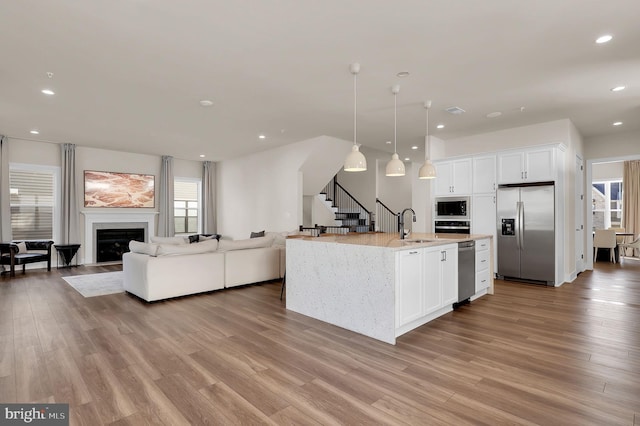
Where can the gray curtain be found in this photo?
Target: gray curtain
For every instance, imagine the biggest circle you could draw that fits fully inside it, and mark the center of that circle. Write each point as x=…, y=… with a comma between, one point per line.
x=209, y=225
x=631, y=200
x=166, y=223
x=70, y=219
x=5, y=201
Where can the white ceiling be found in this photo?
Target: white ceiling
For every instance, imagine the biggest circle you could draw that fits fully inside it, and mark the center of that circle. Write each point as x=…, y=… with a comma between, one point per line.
x=129, y=74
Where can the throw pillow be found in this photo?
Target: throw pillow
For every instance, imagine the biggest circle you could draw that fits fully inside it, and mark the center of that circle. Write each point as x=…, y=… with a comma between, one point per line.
x=22, y=247
x=150, y=249
x=194, y=238
x=257, y=234
x=251, y=243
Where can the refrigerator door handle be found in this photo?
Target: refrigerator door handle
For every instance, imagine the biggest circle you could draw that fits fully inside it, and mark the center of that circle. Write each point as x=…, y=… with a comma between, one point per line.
x=517, y=224
x=521, y=227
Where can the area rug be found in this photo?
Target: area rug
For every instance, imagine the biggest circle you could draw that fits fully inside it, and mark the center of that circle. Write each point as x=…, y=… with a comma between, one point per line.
x=92, y=285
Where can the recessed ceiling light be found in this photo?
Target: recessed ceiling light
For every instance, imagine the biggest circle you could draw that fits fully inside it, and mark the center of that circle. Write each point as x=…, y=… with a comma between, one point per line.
x=407, y=159
x=604, y=39
x=48, y=92
x=388, y=142
x=494, y=114
x=618, y=123
x=262, y=137
x=440, y=126
x=402, y=74
x=618, y=88
x=201, y=155
x=206, y=103
x=414, y=147
x=34, y=132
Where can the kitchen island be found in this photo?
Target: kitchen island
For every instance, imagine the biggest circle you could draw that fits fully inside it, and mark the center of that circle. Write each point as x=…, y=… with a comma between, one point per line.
x=377, y=284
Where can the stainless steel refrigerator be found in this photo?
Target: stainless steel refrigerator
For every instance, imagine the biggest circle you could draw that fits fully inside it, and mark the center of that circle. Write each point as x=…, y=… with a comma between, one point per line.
x=526, y=232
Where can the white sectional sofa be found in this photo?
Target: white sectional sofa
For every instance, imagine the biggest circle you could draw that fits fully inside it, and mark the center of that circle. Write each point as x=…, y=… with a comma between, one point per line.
x=172, y=267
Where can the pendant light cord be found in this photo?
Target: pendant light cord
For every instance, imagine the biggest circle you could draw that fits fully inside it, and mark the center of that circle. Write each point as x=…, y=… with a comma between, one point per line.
x=355, y=108
x=395, y=123
x=427, y=146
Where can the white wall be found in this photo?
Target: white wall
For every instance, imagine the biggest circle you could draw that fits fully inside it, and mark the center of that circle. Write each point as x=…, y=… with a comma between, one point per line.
x=613, y=145
x=264, y=190
x=42, y=153
x=607, y=171
x=536, y=134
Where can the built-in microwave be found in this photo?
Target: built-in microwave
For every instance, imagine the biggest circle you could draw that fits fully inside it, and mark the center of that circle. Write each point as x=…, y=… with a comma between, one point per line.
x=452, y=208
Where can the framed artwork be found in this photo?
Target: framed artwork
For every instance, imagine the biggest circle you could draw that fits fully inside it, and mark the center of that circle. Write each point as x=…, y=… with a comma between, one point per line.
x=110, y=189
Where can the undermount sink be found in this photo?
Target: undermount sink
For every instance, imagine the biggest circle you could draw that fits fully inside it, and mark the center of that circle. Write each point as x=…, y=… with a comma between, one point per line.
x=422, y=240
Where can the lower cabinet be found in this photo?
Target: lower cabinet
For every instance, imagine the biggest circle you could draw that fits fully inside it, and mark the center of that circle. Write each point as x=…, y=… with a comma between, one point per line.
x=426, y=281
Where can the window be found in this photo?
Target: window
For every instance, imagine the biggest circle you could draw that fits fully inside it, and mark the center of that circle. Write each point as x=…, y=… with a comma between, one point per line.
x=33, y=200
x=186, y=205
x=607, y=204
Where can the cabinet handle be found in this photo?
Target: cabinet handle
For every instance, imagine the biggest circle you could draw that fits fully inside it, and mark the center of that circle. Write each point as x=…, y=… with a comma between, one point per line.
x=483, y=281
x=413, y=252
x=526, y=175
x=521, y=175
x=482, y=261
x=494, y=199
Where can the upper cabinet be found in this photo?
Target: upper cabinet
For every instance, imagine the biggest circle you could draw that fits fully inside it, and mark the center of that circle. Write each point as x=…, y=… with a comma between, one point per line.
x=484, y=174
x=454, y=177
x=531, y=165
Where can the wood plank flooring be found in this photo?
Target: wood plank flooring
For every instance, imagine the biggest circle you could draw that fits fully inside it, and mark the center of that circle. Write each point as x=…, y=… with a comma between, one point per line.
x=526, y=355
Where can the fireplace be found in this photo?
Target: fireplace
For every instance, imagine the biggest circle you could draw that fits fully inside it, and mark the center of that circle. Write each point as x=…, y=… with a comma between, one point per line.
x=95, y=221
x=111, y=244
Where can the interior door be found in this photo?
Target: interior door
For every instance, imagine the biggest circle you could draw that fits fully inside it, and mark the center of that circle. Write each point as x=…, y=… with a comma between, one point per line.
x=579, y=220
x=537, y=244
x=508, y=249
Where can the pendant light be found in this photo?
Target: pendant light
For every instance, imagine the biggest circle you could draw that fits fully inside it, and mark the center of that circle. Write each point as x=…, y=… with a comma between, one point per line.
x=427, y=171
x=355, y=161
x=395, y=167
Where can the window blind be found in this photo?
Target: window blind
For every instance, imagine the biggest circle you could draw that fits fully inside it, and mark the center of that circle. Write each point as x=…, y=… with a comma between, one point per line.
x=32, y=202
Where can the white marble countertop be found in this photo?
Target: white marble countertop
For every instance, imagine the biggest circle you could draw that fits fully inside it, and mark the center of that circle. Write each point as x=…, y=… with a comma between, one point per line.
x=393, y=241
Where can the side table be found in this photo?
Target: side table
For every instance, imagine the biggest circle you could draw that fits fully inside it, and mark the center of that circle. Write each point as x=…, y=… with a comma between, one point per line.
x=66, y=253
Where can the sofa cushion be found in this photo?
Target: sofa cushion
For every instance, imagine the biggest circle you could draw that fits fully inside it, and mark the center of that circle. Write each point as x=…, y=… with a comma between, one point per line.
x=178, y=249
x=257, y=234
x=251, y=243
x=150, y=249
x=170, y=240
x=22, y=247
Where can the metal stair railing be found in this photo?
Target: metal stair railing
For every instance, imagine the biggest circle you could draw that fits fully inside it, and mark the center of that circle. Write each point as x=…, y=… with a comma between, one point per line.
x=350, y=211
x=386, y=219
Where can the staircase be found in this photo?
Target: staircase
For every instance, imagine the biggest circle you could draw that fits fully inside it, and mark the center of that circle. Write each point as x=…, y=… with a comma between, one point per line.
x=350, y=214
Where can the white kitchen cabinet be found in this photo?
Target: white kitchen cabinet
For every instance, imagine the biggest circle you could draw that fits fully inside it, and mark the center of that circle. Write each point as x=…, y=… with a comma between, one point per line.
x=483, y=259
x=449, y=274
x=454, y=177
x=531, y=165
x=426, y=281
x=409, y=286
x=484, y=174
x=483, y=216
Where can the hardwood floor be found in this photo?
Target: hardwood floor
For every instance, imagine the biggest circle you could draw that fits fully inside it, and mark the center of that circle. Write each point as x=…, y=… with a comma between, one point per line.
x=526, y=355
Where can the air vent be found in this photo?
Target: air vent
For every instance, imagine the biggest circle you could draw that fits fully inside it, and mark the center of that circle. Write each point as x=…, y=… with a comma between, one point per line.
x=455, y=110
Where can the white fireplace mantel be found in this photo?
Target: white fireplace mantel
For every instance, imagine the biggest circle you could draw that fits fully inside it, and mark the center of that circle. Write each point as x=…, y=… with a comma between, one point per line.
x=100, y=217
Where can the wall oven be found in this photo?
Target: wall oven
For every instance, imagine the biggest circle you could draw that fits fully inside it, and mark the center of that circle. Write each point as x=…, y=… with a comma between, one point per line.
x=452, y=208
x=452, y=227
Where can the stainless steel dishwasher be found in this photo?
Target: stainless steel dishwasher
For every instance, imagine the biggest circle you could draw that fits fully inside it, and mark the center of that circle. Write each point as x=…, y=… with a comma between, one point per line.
x=466, y=271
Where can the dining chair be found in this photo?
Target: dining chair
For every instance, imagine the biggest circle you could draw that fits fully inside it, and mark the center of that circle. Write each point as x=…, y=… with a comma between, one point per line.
x=605, y=238
x=632, y=245
x=619, y=238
